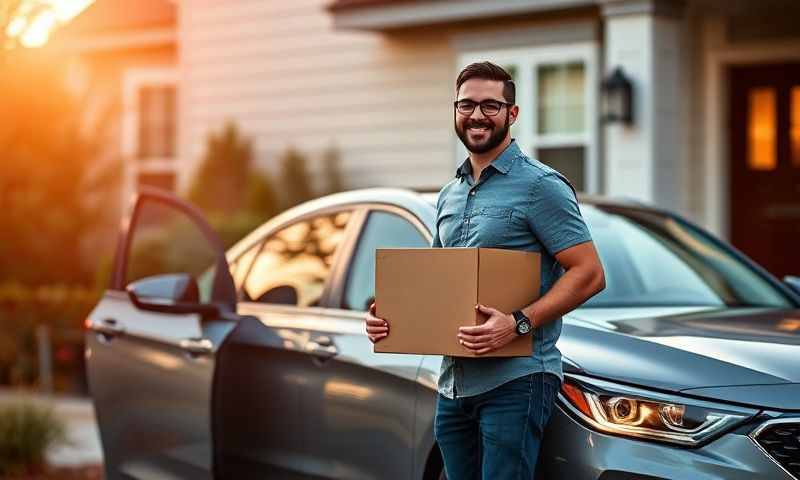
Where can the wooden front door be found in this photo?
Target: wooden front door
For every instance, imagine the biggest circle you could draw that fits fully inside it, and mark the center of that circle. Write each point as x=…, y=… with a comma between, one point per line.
x=765, y=164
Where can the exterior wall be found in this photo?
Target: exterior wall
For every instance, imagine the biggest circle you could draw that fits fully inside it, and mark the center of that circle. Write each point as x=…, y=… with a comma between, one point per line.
x=98, y=78
x=288, y=78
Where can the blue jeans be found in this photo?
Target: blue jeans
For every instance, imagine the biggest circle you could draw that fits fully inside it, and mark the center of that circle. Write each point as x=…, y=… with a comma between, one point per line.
x=496, y=434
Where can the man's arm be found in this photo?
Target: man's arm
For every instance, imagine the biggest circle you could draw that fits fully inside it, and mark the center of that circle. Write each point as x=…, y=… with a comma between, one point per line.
x=582, y=279
x=555, y=219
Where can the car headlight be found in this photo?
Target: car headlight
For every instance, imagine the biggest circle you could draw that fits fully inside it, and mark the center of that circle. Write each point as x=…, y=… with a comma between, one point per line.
x=643, y=414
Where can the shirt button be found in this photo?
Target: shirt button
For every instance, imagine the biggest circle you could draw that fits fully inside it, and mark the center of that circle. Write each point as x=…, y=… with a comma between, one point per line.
x=472, y=192
x=465, y=220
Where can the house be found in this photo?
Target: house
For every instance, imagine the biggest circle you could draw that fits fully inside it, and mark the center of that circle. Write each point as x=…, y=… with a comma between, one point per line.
x=715, y=131
x=124, y=55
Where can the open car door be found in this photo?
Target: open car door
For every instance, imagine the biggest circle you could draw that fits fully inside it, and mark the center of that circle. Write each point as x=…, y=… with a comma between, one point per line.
x=153, y=339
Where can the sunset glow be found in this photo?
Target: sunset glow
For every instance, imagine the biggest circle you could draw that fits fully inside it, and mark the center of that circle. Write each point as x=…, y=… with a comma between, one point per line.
x=34, y=30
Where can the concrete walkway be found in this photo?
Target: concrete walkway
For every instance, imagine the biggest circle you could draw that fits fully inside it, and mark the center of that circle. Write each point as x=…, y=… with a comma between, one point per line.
x=78, y=415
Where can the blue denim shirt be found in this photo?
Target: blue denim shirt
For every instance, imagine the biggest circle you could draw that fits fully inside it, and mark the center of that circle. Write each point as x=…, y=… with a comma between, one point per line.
x=522, y=204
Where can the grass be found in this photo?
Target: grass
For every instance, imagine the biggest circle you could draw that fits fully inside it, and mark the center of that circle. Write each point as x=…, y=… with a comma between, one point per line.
x=27, y=431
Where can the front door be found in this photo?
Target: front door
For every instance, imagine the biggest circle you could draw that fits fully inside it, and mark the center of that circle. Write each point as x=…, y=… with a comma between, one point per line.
x=151, y=357
x=765, y=164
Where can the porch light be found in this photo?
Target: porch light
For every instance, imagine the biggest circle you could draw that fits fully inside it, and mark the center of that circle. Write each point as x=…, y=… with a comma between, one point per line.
x=617, y=103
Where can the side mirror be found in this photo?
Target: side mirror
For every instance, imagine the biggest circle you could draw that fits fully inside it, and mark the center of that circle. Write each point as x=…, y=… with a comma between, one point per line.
x=172, y=293
x=793, y=282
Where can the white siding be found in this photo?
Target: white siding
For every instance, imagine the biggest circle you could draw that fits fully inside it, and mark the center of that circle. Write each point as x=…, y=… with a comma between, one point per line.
x=287, y=78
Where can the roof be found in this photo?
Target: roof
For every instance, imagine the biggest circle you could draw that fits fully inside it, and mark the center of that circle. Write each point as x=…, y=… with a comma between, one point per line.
x=113, y=16
x=338, y=5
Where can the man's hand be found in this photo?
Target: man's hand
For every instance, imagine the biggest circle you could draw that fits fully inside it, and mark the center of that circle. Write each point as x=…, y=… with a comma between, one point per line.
x=377, y=328
x=496, y=332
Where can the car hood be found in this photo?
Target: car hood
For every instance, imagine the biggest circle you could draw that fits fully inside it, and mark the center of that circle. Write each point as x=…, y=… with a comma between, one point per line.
x=682, y=348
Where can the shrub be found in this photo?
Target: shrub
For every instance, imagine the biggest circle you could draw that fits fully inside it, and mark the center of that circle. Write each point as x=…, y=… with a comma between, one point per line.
x=23, y=308
x=27, y=431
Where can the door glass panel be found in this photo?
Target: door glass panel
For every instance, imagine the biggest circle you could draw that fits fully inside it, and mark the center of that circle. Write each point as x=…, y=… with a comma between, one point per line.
x=165, y=240
x=561, y=98
x=570, y=161
x=761, y=130
x=294, y=263
x=795, y=133
x=382, y=230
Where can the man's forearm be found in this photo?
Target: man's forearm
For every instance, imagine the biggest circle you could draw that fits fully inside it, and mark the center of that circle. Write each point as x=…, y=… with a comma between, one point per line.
x=574, y=287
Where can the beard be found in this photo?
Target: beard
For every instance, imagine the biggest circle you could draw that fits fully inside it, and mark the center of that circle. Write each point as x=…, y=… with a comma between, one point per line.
x=496, y=135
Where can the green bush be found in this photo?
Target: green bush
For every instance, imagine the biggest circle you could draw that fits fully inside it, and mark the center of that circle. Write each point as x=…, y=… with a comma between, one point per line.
x=27, y=431
x=61, y=308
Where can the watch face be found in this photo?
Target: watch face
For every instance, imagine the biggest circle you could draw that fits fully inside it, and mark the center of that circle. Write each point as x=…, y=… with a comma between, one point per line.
x=524, y=327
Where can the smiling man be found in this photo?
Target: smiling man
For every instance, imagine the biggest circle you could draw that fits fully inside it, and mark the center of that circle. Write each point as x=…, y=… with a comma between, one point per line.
x=491, y=412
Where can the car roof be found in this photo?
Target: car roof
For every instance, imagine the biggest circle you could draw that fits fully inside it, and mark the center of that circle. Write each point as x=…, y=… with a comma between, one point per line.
x=419, y=203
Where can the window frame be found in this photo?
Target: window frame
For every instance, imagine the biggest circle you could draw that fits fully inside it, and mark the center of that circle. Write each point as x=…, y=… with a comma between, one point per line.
x=134, y=80
x=526, y=60
x=357, y=217
x=338, y=290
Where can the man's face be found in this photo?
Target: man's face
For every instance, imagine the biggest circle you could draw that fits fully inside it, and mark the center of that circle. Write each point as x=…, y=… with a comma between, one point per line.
x=478, y=132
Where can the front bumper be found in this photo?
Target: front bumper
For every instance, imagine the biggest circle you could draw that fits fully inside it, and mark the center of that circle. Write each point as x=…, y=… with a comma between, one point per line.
x=573, y=451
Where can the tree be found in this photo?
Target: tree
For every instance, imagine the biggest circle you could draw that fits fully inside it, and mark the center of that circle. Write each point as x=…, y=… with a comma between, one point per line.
x=332, y=170
x=295, y=180
x=226, y=182
x=54, y=194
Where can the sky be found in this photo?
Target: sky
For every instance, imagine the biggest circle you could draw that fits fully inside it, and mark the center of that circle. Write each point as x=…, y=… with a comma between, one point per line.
x=35, y=32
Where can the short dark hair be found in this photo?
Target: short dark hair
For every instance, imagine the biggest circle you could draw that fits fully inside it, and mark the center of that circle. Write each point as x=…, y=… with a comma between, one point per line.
x=488, y=71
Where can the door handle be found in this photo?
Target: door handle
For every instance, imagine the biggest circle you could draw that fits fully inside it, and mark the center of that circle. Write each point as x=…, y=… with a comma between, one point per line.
x=197, y=346
x=108, y=326
x=322, y=347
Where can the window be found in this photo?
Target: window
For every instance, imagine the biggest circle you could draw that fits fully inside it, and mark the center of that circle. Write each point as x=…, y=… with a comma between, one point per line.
x=382, y=230
x=294, y=263
x=556, y=93
x=157, y=122
x=164, y=240
x=150, y=127
x=654, y=260
x=241, y=265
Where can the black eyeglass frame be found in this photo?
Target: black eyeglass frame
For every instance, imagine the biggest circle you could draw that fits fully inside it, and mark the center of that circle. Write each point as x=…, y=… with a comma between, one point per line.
x=482, y=104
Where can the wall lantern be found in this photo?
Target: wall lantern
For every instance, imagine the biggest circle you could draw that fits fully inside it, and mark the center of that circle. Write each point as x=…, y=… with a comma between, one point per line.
x=617, y=101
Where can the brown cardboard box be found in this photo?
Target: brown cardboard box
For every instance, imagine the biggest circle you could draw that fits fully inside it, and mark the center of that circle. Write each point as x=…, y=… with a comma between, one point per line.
x=427, y=293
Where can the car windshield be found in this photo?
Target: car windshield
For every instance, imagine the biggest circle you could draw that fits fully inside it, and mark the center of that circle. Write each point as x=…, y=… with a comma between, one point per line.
x=651, y=259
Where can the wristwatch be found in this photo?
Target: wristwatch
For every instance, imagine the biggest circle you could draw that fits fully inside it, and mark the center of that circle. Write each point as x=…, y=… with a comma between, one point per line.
x=523, y=322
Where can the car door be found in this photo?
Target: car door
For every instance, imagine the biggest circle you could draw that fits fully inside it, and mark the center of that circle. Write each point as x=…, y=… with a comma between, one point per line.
x=361, y=404
x=151, y=352
x=267, y=433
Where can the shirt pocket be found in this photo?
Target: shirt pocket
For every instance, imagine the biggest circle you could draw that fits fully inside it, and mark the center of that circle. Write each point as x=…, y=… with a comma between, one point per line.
x=492, y=225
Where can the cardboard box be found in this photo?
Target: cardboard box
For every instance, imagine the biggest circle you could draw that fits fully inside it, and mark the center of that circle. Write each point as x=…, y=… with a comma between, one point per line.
x=426, y=294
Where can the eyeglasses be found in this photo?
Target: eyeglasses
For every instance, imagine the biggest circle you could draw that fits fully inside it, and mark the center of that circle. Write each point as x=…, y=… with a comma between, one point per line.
x=490, y=108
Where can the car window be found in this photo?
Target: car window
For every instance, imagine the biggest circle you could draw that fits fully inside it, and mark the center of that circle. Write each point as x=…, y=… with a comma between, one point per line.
x=382, y=230
x=650, y=259
x=294, y=263
x=164, y=240
x=241, y=265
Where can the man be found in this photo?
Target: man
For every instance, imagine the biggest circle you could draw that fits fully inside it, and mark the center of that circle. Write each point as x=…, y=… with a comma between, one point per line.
x=491, y=412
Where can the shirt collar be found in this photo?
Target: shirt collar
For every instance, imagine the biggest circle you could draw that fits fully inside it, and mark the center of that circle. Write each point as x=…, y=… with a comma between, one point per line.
x=502, y=163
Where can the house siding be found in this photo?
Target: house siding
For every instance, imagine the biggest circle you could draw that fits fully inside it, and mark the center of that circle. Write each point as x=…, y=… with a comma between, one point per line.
x=282, y=73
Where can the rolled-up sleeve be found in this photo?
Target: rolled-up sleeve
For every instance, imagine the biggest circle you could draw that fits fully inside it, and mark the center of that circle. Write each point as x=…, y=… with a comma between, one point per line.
x=554, y=216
